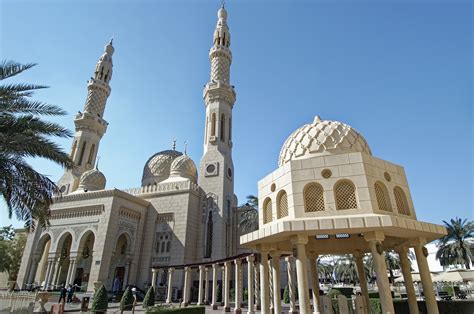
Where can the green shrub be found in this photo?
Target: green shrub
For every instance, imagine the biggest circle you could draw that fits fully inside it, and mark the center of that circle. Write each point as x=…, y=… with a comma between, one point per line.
x=333, y=293
x=183, y=310
x=375, y=306
x=219, y=293
x=232, y=294
x=245, y=295
x=286, y=295
x=149, y=299
x=126, y=303
x=100, y=302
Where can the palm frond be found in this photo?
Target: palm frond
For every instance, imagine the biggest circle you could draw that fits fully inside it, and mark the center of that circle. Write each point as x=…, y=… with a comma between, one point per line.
x=11, y=68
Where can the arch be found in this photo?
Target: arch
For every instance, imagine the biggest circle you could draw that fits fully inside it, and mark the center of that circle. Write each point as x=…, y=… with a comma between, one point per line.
x=60, y=239
x=313, y=194
x=401, y=201
x=383, y=199
x=282, y=204
x=123, y=244
x=91, y=154
x=345, y=195
x=81, y=156
x=222, y=127
x=86, y=243
x=213, y=124
x=267, y=211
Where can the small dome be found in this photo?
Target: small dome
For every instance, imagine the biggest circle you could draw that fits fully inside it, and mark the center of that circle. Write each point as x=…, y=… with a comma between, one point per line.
x=92, y=180
x=322, y=137
x=183, y=166
x=109, y=48
x=158, y=167
x=222, y=13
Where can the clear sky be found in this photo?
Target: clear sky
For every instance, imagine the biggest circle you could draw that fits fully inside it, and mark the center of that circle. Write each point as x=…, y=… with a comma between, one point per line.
x=400, y=72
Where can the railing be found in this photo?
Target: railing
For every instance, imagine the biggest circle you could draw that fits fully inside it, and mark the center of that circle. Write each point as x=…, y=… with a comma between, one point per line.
x=17, y=302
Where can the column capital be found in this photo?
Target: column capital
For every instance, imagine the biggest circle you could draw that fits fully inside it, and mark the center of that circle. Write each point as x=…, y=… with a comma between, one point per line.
x=170, y=270
x=289, y=258
x=238, y=261
x=155, y=270
x=206, y=269
x=250, y=259
x=400, y=249
x=299, y=239
x=418, y=241
x=374, y=236
x=226, y=263
x=215, y=265
x=358, y=253
x=275, y=254
x=201, y=267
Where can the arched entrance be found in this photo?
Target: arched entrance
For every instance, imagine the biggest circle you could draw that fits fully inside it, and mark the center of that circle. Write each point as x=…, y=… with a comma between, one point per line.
x=120, y=264
x=39, y=263
x=63, y=252
x=80, y=272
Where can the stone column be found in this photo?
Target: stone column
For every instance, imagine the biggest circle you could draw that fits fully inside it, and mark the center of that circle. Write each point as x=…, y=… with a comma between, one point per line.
x=257, y=287
x=421, y=253
x=238, y=286
x=406, y=270
x=359, y=257
x=214, y=286
x=201, y=278
x=264, y=283
x=170, y=285
x=374, y=239
x=270, y=286
x=187, y=285
x=48, y=273
x=56, y=272
x=291, y=284
x=250, y=283
x=154, y=273
x=206, y=285
x=226, y=286
x=313, y=260
x=276, y=281
x=302, y=272
x=69, y=270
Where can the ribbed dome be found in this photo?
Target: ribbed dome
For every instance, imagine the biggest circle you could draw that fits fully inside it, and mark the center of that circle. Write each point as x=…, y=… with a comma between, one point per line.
x=322, y=137
x=92, y=180
x=158, y=167
x=183, y=166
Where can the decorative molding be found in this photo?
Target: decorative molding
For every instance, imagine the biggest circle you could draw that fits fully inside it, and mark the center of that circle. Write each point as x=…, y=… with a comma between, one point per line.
x=76, y=212
x=129, y=214
x=100, y=194
x=163, y=218
x=164, y=188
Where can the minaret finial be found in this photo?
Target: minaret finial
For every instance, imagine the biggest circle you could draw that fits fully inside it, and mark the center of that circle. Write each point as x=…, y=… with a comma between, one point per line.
x=111, y=40
x=223, y=4
x=185, y=147
x=174, y=143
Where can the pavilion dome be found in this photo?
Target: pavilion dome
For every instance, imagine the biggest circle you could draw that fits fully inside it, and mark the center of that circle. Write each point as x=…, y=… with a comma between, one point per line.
x=183, y=166
x=322, y=137
x=92, y=180
x=158, y=166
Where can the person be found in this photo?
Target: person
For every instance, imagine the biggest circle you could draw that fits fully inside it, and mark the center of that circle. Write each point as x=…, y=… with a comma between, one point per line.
x=70, y=293
x=116, y=286
x=62, y=294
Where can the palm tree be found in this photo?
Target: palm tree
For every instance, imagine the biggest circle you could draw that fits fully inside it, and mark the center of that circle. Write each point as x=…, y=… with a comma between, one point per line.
x=248, y=214
x=454, y=248
x=345, y=269
x=325, y=271
x=23, y=134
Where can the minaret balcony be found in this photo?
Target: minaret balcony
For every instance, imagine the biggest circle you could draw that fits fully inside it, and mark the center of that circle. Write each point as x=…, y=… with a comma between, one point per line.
x=219, y=91
x=86, y=120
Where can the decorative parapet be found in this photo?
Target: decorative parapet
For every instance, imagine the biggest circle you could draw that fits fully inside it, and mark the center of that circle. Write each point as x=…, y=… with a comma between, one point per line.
x=164, y=188
x=129, y=214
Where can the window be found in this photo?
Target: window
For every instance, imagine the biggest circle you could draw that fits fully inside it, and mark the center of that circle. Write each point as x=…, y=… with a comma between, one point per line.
x=82, y=153
x=222, y=127
x=230, y=129
x=313, y=194
x=91, y=154
x=267, y=211
x=345, y=195
x=209, y=234
x=213, y=124
x=282, y=201
x=383, y=199
x=401, y=200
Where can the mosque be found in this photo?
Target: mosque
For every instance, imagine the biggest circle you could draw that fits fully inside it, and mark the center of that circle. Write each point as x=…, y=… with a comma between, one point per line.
x=328, y=195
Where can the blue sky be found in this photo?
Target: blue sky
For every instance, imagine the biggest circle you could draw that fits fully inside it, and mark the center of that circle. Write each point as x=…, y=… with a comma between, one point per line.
x=400, y=72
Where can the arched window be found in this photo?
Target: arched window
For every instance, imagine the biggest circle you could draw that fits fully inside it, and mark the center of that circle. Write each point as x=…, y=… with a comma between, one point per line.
x=282, y=201
x=313, y=194
x=91, y=154
x=209, y=235
x=383, y=199
x=168, y=246
x=401, y=200
x=213, y=124
x=345, y=195
x=267, y=211
x=230, y=129
x=81, y=156
x=222, y=127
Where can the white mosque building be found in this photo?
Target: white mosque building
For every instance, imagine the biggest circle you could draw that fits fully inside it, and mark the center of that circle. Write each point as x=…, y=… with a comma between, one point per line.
x=181, y=214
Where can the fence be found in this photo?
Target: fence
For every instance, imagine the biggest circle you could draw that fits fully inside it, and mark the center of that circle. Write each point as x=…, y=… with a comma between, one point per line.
x=17, y=302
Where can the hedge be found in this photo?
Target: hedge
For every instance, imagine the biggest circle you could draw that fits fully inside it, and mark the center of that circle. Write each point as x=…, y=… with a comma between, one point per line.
x=149, y=299
x=126, y=303
x=100, y=302
x=183, y=310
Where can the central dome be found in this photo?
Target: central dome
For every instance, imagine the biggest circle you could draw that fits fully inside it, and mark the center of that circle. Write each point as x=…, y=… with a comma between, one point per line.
x=322, y=137
x=92, y=180
x=158, y=167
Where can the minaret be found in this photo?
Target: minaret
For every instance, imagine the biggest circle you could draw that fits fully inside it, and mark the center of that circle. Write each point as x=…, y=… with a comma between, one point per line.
x=216, y=167
x=90, y=125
